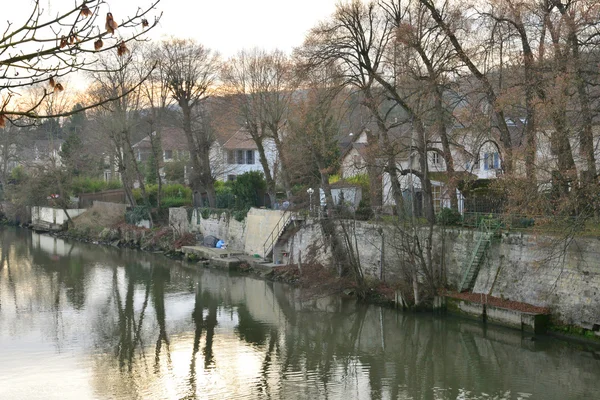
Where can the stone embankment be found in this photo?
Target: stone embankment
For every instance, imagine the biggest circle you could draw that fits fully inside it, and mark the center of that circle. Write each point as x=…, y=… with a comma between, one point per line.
x=550, y=272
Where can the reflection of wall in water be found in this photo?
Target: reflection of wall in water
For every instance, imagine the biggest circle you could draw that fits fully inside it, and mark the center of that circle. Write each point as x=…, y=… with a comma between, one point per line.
x=54, y=246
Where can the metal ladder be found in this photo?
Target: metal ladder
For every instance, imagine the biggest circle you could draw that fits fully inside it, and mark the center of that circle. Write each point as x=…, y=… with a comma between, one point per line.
x=472, y=264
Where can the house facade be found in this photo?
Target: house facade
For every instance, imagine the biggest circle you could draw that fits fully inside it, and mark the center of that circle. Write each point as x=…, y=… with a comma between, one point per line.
x=238, y=154
x=232, y=154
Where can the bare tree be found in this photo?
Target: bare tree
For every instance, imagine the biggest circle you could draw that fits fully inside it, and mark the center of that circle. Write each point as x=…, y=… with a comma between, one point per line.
x=156, y=99
x=44, y=49
x=191, y=70
x=264, y=84
x=118, y=118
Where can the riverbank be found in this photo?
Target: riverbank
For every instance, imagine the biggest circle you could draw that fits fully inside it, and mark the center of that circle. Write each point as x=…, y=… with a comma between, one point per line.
x=314, y=280
x=518, y=268
x=119, y=323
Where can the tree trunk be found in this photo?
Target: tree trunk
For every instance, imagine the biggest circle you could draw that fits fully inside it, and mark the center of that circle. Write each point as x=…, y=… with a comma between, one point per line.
x=264, y=162
x=285, y=175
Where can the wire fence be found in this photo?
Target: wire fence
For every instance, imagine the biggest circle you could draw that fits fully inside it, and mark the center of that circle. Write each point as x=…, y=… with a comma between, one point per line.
x=543, y=223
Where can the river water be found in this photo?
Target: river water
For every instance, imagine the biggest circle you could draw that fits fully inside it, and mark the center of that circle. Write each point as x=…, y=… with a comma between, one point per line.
x=79, y=321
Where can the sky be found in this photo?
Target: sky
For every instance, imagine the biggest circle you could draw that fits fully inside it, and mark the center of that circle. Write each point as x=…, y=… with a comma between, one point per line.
x=226, y=26
x=231, y=25
x=223, y=25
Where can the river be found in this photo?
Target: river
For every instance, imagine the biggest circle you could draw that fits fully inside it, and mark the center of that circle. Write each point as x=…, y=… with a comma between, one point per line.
x=79, y=321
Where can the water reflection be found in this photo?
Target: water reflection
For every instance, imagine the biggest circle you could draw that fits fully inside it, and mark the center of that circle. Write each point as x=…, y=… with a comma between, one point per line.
x=80, y=321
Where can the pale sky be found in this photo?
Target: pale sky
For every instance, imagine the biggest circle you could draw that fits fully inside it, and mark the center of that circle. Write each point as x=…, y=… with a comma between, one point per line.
x=231, y=25
x=223, y=25
x=226, y=26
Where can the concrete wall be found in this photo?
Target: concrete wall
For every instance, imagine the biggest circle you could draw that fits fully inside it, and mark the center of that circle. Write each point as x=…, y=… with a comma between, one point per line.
x=545, y=271
x=248, y=235
x=540, y=270
x=222, y=226
x=48, y=215
x=259, y=225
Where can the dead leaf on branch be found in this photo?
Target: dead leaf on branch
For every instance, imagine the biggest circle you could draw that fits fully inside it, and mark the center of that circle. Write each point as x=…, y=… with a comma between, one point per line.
x=2, y=121
x=85, y=11
x=51, y=82
x=122, y=49
x=63, y=42
x=98, y=44
x=111, y=24
x=58, y=87
x=145, y=23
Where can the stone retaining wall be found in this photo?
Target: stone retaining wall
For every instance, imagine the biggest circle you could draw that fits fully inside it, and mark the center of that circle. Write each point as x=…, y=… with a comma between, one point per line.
x=546, y=271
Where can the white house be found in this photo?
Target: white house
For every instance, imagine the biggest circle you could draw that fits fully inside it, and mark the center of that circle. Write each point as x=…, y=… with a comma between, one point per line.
x=238, y=153
x=354, y=156
x=232, y=154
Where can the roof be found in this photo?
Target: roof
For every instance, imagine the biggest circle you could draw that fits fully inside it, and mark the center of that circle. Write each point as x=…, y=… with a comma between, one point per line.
x=172, y=138
x=241, y=139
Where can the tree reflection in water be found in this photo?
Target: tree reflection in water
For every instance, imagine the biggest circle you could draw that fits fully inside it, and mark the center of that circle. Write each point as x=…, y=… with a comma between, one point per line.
x=149, y=330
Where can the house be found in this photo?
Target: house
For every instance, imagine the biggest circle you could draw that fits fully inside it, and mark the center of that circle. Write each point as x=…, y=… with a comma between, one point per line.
x=236, y=154
x=230, y=155
x=41, y=153
x=354, y=155
x=173, y=146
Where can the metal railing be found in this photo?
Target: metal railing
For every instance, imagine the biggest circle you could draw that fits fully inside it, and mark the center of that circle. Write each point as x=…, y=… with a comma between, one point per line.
x=269, y=244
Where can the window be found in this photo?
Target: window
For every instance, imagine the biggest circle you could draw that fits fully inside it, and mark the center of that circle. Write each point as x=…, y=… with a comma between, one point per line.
x=168, y=154
x=435, y=158
x=249, y=156
x=240, y=157
x=231, y=178
x=437, y=198
x=491, y=161
x=231, y=157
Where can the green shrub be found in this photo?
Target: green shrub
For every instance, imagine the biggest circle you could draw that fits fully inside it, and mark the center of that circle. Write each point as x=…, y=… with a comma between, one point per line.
x=240, y=215
x=175, y=195
x=362, y=180
x=364, y=212
x=136, y=214
x=169, y=202
x=205, y=213
x=246, y=188
x=449, y=217
x=82, y=184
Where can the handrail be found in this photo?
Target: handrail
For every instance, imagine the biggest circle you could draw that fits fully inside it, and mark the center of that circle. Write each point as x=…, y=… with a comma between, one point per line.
x=279, y=228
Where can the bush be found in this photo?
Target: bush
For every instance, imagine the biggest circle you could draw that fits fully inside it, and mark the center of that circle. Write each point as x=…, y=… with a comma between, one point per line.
x=364, y=212
x=449, y=217
x=136, y=215
x=175, y=195
x=82, y=184
x=175, y=171
x=169, y=202
x=246, y=188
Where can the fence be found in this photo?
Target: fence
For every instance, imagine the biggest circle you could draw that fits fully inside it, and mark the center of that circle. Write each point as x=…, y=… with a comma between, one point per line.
x=86, y=200
x=580, y=225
